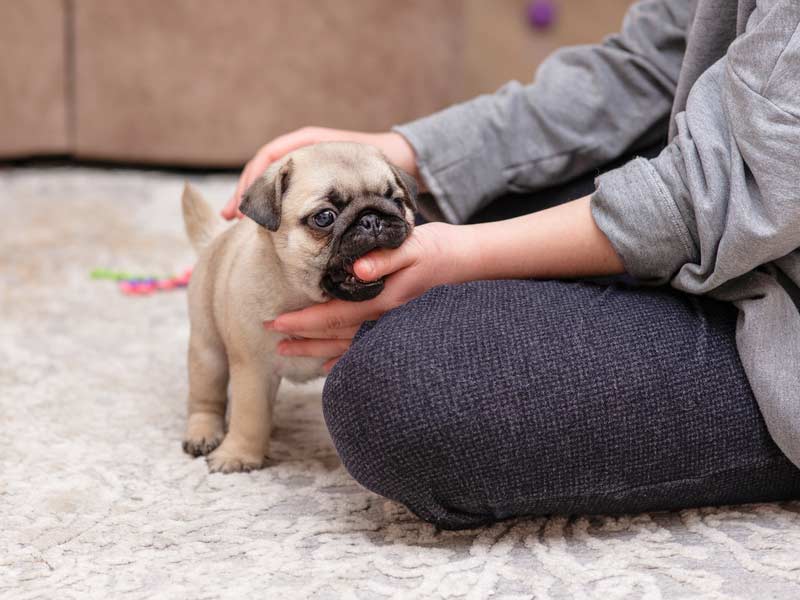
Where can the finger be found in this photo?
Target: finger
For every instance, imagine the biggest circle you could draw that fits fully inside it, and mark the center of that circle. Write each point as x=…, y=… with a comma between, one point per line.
x=284, y=144
x=319, y=348
x=328, y=317
x=232, y=207
x=252, y=171
x=385, y=261
x=329, y=365
x=226, y=210
x=255, y=167
x=342, y=333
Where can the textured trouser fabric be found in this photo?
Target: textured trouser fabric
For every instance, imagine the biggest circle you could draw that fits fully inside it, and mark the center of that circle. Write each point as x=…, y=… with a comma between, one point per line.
x=487, y=400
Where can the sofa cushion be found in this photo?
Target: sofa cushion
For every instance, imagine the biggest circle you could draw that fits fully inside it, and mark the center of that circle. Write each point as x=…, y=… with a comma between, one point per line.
x=33, y=108
x=188, y=83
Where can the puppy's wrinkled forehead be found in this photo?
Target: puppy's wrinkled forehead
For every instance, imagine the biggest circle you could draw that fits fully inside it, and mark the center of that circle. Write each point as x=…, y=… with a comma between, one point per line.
x=345, y=171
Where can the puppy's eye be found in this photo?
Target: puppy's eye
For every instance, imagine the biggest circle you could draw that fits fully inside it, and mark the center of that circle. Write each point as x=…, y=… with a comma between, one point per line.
x=324, y=218
x=400, y=205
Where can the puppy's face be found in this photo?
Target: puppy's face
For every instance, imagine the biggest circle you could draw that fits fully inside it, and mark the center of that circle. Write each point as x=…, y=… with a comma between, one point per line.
x=327, y=205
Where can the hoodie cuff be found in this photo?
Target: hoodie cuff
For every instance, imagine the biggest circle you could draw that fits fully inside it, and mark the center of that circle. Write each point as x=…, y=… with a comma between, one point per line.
x=636, y=212
x=457, y=158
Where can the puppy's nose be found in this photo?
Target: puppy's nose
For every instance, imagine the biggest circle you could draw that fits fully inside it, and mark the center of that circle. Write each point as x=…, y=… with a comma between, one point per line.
x=371, y=223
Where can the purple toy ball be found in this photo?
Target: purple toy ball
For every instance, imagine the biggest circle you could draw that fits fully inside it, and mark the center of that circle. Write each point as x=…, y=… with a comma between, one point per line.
x=541, y=13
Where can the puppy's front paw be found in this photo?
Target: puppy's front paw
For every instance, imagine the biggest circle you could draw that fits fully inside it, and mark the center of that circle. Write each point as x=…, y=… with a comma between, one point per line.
x=231, y=457
x=204, y=432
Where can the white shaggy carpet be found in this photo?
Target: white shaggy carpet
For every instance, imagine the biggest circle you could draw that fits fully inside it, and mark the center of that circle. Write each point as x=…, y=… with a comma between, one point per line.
x=97, y=499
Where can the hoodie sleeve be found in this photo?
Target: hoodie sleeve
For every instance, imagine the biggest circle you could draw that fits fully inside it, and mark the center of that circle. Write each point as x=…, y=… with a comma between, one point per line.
x=723, y=197
x=587, y=106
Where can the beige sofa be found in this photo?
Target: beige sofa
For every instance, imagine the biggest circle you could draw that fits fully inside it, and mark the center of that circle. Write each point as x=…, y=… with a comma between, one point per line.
x=206, y=82
x=33, y=107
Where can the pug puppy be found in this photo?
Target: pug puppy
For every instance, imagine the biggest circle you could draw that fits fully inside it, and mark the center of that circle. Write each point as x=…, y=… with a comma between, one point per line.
x=311, y=215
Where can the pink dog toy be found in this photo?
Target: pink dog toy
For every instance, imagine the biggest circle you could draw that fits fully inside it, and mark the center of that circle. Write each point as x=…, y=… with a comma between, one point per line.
x=145, y=286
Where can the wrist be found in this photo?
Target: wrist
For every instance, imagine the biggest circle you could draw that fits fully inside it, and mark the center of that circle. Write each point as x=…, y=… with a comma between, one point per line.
x=460, y=244
x=473, y=255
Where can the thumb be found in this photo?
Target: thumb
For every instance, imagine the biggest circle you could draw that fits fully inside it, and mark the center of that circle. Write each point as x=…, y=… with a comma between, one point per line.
x=384, y=261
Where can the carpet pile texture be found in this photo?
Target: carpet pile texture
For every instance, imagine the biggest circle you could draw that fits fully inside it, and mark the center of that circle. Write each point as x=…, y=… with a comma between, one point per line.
x=97, y=500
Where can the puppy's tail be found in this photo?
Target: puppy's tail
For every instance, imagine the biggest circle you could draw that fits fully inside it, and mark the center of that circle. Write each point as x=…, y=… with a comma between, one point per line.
x=201, y=222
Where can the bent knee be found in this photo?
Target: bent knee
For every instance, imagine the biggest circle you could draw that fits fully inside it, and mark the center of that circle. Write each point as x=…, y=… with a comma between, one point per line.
x=360, y=404
x=383, y=434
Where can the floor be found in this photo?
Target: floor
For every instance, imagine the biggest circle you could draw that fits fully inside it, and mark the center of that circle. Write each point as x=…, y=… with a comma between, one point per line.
x=97, y=499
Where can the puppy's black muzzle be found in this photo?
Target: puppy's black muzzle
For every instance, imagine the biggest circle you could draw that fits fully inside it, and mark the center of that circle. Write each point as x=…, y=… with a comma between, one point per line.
x=369, y=229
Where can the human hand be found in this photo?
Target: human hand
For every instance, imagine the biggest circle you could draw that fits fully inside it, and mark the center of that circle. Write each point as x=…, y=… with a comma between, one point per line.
x=560, y=242
x=434, y=254
x=393, y=145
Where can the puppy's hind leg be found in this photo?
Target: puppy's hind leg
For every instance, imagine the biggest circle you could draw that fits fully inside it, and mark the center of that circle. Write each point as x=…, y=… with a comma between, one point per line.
x=253, y=391
x=208, y=383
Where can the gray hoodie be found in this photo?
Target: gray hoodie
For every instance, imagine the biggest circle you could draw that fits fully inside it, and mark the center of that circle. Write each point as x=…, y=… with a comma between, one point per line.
x=717, y=213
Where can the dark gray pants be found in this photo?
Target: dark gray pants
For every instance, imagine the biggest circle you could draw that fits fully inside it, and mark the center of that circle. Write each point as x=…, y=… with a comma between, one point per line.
x=488, y=400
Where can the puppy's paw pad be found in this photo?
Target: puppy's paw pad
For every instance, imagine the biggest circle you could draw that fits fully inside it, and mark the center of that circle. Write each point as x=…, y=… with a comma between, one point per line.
x=223, y=460
x=202, y=446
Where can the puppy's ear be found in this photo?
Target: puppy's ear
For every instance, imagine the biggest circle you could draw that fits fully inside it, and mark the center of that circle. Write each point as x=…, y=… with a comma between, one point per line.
x=408, y=183
x=262, y=200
